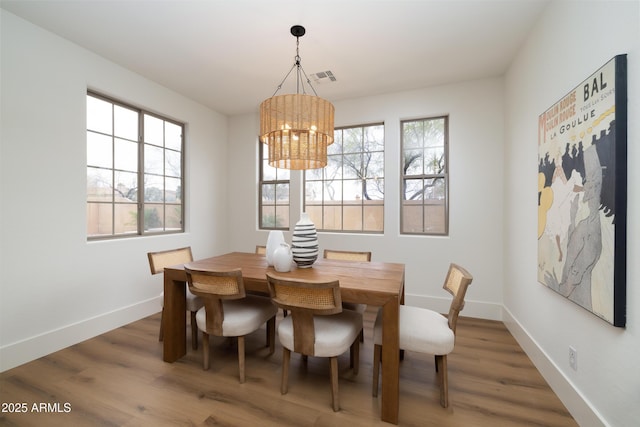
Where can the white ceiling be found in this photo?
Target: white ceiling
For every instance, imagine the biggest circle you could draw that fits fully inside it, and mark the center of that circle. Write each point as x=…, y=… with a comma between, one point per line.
x=230, y=55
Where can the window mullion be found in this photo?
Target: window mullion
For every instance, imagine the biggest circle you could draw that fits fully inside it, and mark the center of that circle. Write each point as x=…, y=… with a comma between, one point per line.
x=141, y=174
x=113, y=170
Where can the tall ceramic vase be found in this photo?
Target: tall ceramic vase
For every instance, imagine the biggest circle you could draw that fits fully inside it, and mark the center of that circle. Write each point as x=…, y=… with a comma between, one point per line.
x=304, y=242
x=273, y=242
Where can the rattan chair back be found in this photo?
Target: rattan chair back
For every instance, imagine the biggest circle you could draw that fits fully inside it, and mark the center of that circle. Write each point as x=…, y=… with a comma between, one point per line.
x=456, y=283
x=320, y=298
x=347, y=255
x=220, y=284
x=159, y=260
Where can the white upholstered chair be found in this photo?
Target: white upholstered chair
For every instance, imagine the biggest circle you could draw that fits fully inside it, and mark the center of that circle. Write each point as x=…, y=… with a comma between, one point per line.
x=229, y=312
x=427, y=331
x=157, y=263
x=316, y=326
x=349, y=256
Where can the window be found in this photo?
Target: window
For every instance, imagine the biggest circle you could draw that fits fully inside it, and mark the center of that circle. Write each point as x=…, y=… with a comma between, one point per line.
x=134, y=171
x=274, y=194
x=348, y=194
x=425, y=181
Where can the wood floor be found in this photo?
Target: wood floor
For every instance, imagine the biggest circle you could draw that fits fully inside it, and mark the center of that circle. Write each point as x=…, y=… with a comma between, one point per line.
x=119, y=379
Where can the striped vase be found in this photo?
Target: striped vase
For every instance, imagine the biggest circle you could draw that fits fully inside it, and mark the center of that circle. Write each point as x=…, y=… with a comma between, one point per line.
x=304, y=242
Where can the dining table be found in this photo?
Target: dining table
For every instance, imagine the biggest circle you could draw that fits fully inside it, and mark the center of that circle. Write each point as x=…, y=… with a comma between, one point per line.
x=378, y=284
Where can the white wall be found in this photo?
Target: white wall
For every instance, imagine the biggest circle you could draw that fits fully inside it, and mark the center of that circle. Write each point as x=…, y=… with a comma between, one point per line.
x=571, y=41
x=476, y=165
x=55, y=287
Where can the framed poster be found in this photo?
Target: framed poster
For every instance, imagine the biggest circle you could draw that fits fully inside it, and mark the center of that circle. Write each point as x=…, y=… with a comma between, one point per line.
x=582, y=193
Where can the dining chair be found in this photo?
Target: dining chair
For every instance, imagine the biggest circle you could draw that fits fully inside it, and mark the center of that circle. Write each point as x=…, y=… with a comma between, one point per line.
x=229, y=312
x=427, y=331
x=157, y=263
x=350, y=256
x=317, y=325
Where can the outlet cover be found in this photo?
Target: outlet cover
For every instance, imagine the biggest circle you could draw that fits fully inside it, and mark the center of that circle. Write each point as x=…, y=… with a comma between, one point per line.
x=573, y=358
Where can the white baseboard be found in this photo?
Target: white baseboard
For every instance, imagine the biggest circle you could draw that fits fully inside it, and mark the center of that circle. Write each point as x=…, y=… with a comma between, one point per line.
x=24, y=351
x=480, y=310
x=576, y=404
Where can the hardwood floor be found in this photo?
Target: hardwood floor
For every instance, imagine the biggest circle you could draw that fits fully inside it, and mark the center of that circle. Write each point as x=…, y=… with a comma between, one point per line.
x=119, y=379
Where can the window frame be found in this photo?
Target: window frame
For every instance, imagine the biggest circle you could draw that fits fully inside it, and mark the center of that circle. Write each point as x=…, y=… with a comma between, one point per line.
x=140, y=203
x=425, y=176
x=341, y=202
x=262, y=151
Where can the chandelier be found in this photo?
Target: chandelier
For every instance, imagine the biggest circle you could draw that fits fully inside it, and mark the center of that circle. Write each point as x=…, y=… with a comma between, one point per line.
x=297, y=127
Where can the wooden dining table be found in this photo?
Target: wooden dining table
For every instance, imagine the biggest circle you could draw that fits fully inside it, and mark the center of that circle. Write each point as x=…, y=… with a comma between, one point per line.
x=372, y=283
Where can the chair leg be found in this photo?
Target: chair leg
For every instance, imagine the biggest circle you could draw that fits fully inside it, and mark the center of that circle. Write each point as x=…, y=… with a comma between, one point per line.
x=441, y=363
x=241, y=358
x=161, y=333
x=205, y=350
x=271, y=334
x=194, y=331
x=334, y=383
x=354, y=354
x=377, y=353
x=286, y=356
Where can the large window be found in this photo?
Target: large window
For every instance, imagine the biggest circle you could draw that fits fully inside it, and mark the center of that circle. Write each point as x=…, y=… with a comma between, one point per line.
x=134, y=171
x=424, y=192
x=348, y=194
x=274, y=194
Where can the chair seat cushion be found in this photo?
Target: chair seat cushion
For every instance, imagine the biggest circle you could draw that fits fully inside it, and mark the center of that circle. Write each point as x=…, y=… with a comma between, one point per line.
x=421, y=330
x=194, y=302
x=360, y=308
x=334, y=333
x=241, y=316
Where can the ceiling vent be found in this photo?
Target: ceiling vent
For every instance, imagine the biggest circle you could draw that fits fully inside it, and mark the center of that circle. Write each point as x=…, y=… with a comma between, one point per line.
x=323, y=77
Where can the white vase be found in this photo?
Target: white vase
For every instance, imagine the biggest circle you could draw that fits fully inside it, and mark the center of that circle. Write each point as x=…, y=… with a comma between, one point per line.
x=304, y=242
x=273, y=242
x=282, y=258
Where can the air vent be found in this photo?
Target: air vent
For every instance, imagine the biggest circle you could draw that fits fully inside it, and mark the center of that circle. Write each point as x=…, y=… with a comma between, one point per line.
x=323, y=77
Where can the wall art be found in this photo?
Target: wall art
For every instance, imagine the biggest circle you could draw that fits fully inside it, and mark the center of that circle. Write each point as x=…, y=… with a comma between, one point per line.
x=582, y=193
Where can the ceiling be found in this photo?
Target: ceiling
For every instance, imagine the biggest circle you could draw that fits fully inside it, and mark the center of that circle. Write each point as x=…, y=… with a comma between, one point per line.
x=231, y=55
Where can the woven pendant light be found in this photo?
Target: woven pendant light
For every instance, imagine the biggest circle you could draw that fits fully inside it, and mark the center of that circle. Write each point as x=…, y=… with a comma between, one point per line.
x=297, y=127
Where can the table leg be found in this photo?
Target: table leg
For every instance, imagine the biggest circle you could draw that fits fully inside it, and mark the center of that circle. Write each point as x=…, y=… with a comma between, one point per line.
x=391, y=361
x=174, y=319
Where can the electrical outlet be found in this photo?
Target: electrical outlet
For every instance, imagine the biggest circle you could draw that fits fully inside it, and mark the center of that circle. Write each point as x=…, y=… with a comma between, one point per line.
x=573, y=358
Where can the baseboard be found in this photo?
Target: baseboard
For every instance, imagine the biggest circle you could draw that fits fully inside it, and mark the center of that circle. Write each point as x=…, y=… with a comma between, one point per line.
x=477, y=309
x=24, y=351
x=576, y=404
